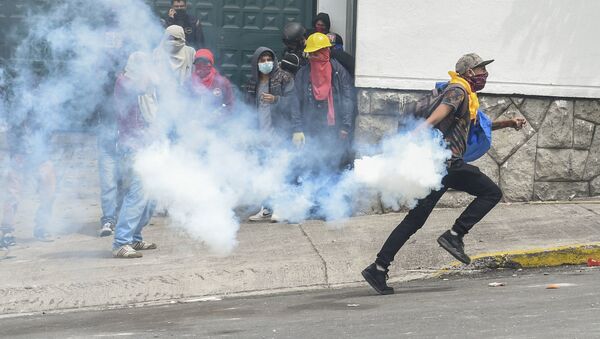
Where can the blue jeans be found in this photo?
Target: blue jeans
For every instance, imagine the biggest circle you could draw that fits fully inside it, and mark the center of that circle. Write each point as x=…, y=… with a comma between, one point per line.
x=136, y=209
x=110, y=199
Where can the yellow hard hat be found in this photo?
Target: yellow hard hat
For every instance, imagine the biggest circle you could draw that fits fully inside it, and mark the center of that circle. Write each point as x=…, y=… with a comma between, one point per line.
x=316, y=41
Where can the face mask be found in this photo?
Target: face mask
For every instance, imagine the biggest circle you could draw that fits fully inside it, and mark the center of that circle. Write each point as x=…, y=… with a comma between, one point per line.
x=180, y=13
x=322, y=55
x=478, y=81
x=174, y=45
x=265, y=67
x=202, y=70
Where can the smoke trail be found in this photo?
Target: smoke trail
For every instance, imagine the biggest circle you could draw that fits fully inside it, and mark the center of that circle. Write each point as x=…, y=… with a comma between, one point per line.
x=408, y=167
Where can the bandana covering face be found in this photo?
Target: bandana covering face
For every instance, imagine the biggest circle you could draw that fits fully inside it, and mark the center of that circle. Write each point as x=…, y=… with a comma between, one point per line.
x=473, y=100
x=205, y=69
x=320, y=78
x=174, y=53
x=478, y=81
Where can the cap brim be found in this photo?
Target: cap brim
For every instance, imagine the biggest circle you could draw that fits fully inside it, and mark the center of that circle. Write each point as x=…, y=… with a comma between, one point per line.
x=484, y=63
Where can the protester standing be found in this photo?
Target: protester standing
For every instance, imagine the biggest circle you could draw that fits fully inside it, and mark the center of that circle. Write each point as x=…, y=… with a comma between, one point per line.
x=326, y=94
x=294, y=40
x=211, y=87
x=270, y=91
x=136, y=106
x=29, y=139
x=178, y=15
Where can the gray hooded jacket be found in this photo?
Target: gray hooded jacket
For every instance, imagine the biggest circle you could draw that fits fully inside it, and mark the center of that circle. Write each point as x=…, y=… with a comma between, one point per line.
x=281, y=85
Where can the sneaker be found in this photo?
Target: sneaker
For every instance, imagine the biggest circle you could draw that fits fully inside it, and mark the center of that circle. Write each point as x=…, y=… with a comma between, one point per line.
x=42, y=235
x=8, y=239
x=107, y=229
x=377, y=279
x=454, y=245
x=143, y=245
x=127, y=252
x=263, y=215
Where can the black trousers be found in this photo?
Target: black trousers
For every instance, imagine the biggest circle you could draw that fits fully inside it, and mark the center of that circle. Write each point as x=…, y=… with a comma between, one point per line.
x=461, y=177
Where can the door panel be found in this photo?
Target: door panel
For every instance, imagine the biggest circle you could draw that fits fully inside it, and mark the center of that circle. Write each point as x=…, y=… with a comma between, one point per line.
x=233, y=29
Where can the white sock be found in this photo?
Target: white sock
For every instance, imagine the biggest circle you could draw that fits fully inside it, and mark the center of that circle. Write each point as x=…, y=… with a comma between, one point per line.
x=453, y=233
x=379, y=268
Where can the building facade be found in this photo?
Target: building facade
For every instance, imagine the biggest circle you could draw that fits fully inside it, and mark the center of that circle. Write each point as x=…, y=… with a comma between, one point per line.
x=546, y=70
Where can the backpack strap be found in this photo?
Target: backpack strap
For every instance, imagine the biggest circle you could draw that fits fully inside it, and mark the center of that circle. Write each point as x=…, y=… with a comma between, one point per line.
x=464, y=107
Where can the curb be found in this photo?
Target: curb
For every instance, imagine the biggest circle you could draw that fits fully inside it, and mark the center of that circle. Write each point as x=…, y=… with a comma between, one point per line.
x=541, y=257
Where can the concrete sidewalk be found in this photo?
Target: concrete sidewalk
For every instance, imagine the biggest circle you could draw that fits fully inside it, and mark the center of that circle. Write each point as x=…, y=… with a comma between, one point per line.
x=77, y=270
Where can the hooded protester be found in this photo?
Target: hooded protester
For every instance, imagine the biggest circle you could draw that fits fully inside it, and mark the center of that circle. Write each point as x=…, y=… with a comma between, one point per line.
x=178, y=15
x=270, y=91
x=453, y=115
x=322, y=24
x=136, y=106
x=173, y=54
x=294, y=40
x=214, y=89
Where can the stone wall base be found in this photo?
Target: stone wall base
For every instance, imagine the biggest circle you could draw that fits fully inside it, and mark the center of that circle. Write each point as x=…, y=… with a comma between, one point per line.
x=555, y=157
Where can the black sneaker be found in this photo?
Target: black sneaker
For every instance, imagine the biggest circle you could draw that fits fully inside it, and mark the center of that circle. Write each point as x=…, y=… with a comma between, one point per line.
x=455, y=246
x=377, y=279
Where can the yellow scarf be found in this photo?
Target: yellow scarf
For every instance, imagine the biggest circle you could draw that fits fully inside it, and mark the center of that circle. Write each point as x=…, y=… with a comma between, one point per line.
x=473, y=100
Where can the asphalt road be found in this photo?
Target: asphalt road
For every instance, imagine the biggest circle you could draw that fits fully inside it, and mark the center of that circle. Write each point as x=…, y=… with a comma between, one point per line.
x=459, y=307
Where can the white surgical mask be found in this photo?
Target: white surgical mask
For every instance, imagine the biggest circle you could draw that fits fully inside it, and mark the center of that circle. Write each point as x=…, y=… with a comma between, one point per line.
x=265, y=67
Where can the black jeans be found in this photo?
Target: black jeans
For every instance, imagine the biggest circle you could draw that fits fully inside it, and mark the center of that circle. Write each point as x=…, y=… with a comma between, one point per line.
x=461, y=177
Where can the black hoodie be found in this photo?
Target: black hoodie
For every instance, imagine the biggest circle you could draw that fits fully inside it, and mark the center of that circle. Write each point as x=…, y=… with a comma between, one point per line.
x=327, y=21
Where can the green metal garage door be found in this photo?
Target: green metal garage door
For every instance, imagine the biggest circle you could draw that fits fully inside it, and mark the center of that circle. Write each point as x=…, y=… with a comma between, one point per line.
x=235, y=28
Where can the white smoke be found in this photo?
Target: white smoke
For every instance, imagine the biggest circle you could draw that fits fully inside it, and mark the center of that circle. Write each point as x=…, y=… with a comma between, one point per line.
x=211, y=168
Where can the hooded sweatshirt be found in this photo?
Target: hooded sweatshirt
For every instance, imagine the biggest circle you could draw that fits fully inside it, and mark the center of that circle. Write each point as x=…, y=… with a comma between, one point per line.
x=214, y=89
x=175, y=54
x=275, y=116
x=326, y=20
x=265, y=119
x=339, y=42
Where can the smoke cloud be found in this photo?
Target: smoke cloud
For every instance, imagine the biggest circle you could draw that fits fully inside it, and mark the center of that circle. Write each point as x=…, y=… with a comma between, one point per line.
x=214, y=164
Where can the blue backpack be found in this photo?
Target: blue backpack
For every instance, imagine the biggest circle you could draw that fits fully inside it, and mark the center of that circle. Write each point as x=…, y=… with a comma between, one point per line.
x=479, y=140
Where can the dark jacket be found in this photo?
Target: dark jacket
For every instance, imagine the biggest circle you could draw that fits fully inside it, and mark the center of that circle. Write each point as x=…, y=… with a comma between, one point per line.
x=345, y=59
x=313, y=113
x=194, y=35
x=299, y=53
x=281, y=85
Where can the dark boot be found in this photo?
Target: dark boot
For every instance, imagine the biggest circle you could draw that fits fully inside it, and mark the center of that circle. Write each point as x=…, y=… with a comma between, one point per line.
x=377, y=279
x=455, y=246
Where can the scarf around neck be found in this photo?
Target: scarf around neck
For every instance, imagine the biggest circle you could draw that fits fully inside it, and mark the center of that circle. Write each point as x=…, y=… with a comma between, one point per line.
x=321, y=81
x=473, y=99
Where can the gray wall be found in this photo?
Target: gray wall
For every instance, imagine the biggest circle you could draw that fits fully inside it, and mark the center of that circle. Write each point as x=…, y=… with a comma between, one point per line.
x=556, y=157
